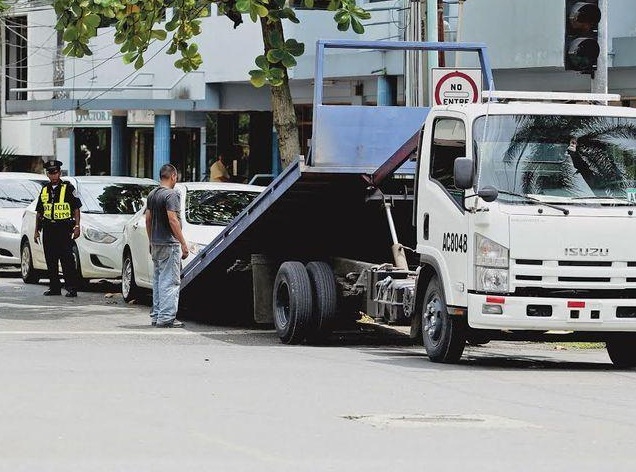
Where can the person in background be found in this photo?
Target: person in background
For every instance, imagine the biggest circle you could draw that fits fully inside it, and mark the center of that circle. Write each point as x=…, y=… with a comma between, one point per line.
x=218, y=171
x=167, y=248
x=58, y=217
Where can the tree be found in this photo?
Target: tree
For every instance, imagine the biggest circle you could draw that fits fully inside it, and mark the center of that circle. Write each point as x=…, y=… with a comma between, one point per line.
x=139, y=22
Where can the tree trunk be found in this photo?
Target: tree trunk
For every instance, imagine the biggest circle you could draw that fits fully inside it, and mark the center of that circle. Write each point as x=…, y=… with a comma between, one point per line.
x=285, y=120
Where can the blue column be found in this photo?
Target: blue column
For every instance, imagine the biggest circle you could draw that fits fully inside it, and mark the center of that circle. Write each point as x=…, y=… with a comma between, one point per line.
x=118, y=147
x=161, y=154
x=385, y=92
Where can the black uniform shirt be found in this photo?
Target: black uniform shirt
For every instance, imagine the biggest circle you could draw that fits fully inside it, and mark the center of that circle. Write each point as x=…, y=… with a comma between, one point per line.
x=54, y=194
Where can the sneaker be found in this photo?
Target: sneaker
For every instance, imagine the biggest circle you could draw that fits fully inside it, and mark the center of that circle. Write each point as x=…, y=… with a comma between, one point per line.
x=50, y=292
x=153, y=323
x=174, y=324
x=71, y=293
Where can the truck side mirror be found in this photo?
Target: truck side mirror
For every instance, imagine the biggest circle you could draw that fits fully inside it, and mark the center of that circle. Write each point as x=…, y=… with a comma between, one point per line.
x=463, y=172
x=488, y=193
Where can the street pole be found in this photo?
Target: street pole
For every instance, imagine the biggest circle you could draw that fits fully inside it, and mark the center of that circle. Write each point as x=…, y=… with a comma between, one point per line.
x=599, y=80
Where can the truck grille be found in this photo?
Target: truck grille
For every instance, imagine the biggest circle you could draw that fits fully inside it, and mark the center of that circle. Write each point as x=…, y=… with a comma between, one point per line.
x=573, y=274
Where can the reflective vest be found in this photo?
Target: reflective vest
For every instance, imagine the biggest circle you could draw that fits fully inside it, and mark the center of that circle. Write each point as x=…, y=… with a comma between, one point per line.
x=55, y=211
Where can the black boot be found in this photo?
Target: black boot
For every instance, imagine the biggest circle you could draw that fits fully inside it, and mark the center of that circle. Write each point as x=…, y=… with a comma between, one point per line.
x=51, y=291
x=71, y=293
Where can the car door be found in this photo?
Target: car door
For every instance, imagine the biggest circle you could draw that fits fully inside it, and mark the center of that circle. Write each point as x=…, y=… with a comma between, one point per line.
x=139, y=247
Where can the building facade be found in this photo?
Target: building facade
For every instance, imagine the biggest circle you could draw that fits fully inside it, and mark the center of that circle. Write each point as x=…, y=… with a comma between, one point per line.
x=100, y=116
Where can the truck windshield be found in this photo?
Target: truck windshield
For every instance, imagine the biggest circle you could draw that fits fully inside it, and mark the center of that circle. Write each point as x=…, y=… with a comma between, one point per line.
x=565, y=159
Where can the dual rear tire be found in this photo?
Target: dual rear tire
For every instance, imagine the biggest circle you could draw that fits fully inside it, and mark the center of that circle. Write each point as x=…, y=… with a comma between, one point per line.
x=304, y=302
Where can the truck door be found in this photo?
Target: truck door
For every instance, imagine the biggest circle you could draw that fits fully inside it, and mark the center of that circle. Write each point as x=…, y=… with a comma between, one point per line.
x=444, y=229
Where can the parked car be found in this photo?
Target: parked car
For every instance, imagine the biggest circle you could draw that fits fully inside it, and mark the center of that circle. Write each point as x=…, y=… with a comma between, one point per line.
x=206, y=208
x=17, y=190
x=107, y=203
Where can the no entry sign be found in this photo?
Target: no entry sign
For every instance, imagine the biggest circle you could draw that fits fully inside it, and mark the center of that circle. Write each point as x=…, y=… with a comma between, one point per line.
x=455, y=86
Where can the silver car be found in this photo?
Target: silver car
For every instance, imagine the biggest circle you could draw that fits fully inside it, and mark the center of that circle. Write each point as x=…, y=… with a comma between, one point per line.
x=17, y=190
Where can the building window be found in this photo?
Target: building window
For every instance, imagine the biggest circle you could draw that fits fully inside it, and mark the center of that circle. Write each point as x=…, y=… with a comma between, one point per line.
x=16, y=57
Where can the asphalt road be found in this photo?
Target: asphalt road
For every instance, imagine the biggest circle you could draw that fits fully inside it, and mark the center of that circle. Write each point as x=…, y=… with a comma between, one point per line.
x=88, y=385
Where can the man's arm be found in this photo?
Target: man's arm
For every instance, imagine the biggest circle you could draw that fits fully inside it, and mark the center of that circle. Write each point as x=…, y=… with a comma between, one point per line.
x=175, y=227
x=149, y=228
x=38, y=227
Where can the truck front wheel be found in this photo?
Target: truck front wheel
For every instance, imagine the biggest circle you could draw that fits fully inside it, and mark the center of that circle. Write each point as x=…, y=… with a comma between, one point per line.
x=292, y=302
x=444, y=336
x=622, y=350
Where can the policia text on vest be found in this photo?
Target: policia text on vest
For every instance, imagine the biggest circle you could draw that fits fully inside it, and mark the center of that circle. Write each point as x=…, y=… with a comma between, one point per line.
x=58, y=217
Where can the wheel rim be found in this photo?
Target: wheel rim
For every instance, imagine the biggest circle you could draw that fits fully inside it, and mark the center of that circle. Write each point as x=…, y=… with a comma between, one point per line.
x=126, y=277
x=282, y=305
x=25, y=262
x=433, y=318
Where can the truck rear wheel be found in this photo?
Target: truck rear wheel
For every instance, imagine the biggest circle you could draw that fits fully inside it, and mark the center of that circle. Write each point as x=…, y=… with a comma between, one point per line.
x=323, y=286
x=444, y=336
x=292, y=302
x=622, y=350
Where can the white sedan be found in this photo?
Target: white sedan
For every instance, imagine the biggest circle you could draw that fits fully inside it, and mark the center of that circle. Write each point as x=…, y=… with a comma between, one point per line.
x=107, y=203
x=206, y=208
x=17, y=190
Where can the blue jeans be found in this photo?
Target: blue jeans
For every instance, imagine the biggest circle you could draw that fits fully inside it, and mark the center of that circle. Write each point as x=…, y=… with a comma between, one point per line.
x=166, y=259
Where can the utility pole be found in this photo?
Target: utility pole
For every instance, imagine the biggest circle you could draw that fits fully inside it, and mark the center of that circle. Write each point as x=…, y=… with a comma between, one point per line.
x=599, y=79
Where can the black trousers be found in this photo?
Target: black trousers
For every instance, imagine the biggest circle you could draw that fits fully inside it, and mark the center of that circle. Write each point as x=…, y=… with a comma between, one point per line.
x=58, y=248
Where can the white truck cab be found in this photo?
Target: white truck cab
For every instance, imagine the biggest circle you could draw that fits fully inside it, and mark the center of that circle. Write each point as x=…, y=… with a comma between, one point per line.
x=525, y=221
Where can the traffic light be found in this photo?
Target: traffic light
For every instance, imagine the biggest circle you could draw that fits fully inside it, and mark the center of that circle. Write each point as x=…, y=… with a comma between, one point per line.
x=581, y=35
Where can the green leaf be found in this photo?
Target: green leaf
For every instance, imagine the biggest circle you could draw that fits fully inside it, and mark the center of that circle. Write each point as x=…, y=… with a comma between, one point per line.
x=276, y=40
x=276, y=73
x=261, y=10
x=243, y=6
x=139, y=63
x=262, y=62
x=344, y=25
x=258, y=78
x=356, y=25
x=192, y=50
x=341, y=16
x=288, y=60
x=129, y=57
x=158, y=34
x=92, y=20
x=275, y=55
x=309, y=3
x=71, y=34
x=294, y=48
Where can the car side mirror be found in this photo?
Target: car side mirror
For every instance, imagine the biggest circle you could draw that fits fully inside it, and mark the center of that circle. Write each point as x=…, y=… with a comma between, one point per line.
x=488, y=193
x=463, y=172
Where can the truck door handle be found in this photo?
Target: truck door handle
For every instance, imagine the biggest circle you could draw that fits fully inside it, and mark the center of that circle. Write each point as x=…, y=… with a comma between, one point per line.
x=425, y=226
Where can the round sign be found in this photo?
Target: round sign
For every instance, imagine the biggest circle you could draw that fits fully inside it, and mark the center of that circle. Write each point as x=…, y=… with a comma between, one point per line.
x=456, y=88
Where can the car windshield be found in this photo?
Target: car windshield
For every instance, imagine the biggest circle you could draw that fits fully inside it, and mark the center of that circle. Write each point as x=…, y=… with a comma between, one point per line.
x=558, y=158
x=215, y=207
x=19, y=193
x=113, y=198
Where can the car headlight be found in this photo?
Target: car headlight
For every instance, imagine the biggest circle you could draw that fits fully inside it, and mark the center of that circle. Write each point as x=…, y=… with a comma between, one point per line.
x=95, y=235
x=491, y=266
x=7, y=227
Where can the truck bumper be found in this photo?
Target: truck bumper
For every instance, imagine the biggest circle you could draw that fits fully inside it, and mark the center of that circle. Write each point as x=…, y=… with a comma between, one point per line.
x=547, y=314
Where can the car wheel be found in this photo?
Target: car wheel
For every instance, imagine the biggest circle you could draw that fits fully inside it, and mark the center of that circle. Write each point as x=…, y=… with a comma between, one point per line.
x=444, y=336
x=129, y=289
x=29, y=274
x=292, y=302
x=324, y=290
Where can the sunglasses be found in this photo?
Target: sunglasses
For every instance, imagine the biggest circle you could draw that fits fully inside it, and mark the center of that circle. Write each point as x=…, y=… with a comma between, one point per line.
x=53, y=171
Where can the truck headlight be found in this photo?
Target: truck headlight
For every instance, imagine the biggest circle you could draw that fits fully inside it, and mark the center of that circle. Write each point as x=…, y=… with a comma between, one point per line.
x=95, y=235
x=7, y=227
x=491, y=266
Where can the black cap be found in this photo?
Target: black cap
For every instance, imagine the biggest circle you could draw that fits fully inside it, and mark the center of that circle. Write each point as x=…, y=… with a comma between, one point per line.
x=53, y=165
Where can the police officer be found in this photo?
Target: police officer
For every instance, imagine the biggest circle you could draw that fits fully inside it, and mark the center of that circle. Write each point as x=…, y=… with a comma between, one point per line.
x=58, y=217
